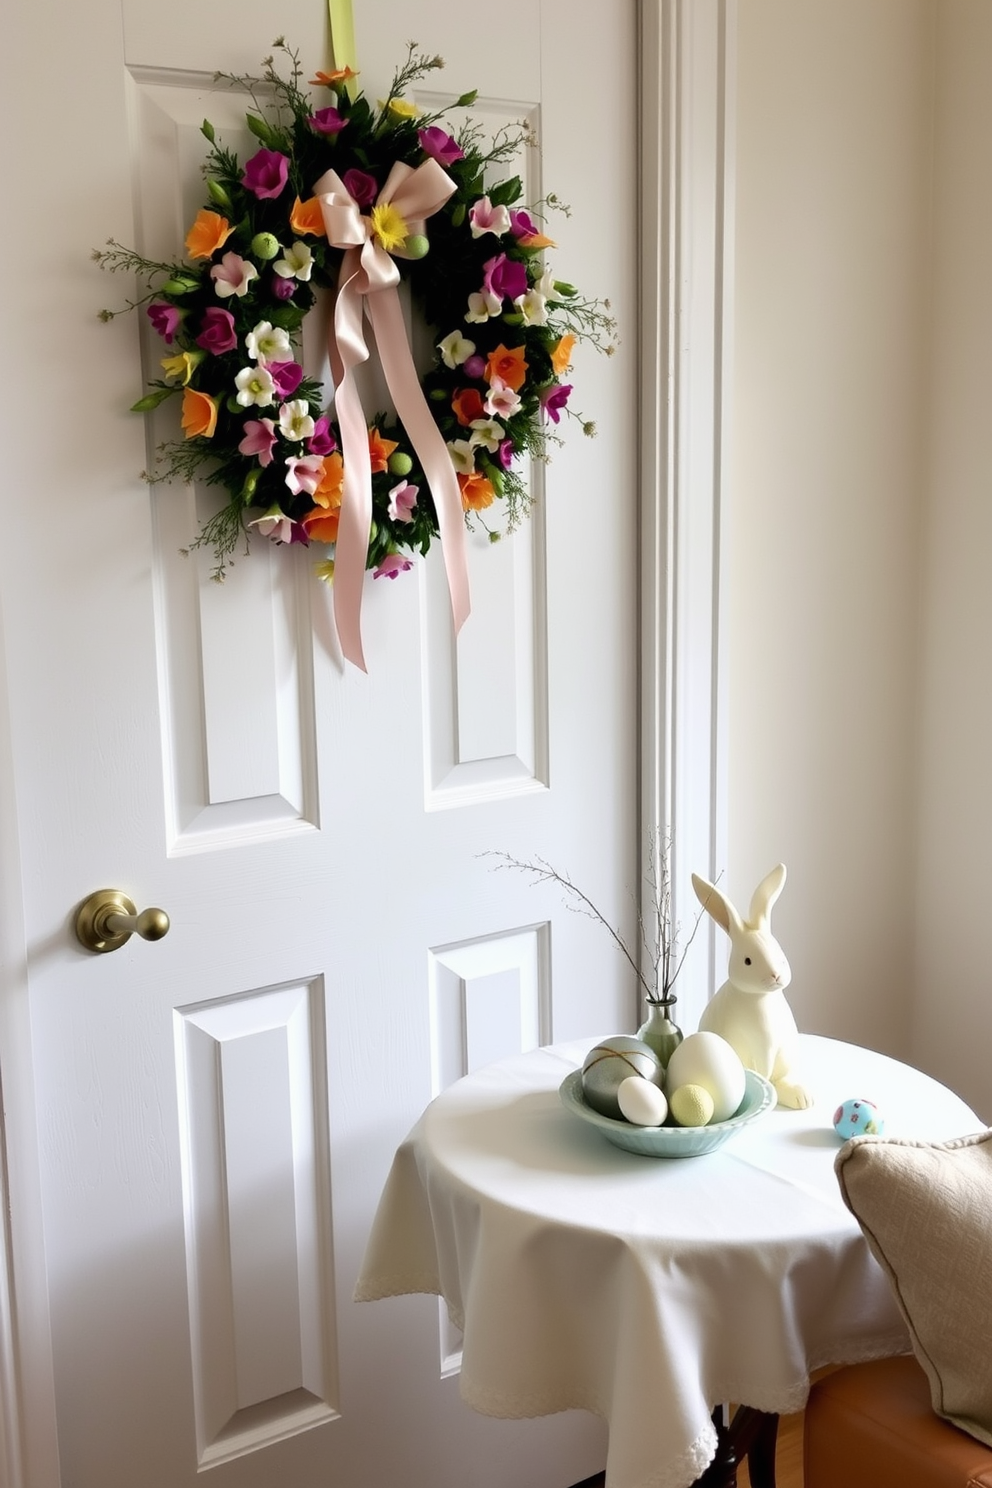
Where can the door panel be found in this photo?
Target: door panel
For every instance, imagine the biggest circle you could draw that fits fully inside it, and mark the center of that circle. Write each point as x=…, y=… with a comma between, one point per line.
x=217, y=1112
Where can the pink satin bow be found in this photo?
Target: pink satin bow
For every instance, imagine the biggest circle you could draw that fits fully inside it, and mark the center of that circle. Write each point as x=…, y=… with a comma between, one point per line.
x=368, y=278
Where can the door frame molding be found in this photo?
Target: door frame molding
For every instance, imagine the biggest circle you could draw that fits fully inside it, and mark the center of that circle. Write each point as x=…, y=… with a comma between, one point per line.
x=687, y=179
x=687, y=121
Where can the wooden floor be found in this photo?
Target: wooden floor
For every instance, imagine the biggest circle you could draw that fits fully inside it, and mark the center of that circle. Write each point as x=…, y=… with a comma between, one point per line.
x=788, y=1459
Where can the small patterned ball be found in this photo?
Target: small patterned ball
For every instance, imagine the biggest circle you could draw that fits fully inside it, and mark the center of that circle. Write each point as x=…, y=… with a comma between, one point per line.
x=610, y=1062
x=858, y=1118
x=691, y=1105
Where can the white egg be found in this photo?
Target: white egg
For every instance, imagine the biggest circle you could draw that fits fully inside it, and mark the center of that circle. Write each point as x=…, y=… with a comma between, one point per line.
x=642, y=1101
x=708, y=1060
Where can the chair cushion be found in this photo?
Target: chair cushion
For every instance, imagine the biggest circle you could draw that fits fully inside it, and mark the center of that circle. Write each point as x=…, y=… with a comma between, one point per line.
x=871, y=1424
x=926, y=1212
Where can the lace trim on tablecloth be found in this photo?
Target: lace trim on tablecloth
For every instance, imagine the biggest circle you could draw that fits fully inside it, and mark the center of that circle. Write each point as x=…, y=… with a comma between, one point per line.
x=385, y=1285
x=793, y=1398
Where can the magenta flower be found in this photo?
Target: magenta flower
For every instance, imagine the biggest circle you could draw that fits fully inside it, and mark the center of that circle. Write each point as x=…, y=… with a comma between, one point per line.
x=322, y=441
x=474, y=367
x=391, y=565
x=165, y=318
x=522, y=225
x=266, y=174
x=361, y=186
x=327, y=121
x=217, y=333
x=286, y=377
x=440, y=145
x=260, y=436
x=282, y=288
x=553, y=399
x=504, y=278
x=506, y=453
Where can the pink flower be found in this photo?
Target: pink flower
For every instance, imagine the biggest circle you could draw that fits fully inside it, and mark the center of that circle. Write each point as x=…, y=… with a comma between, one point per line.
x=165, y=318
x=217, y=333
x=553, y=400
x=282, y=288
x=484, y=217
x=232, y=275
x=260, y=436
x=502, y=402
x=327, y=121
x=322, y=441
x=504, y=278
x=474, y=367
x=402, y=500
x=360, y=185
x=506, y=453
x=522, y=225
x=286, y=376
x=275, y=524
x=437, y=143
x=391, y=565
x=304, y=473
x=266, y=174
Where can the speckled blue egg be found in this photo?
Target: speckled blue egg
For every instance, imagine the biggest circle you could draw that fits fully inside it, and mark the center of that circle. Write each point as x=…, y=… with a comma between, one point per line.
x=858, y=1118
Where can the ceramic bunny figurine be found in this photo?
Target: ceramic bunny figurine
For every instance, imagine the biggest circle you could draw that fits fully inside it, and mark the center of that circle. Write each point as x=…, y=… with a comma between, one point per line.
x=750, y=1010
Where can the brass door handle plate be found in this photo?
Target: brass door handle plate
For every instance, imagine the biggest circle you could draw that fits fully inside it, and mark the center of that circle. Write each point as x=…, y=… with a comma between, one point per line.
x=107, y=920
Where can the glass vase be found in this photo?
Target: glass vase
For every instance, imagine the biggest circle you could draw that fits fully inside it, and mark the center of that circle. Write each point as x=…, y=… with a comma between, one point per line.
x=659, y=1030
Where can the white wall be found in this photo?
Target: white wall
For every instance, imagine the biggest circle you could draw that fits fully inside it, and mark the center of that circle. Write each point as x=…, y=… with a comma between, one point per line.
x=952, y=1026
x=835, y=106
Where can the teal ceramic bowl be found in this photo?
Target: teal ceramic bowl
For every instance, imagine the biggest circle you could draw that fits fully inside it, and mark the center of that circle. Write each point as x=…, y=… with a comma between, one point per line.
x=671, y=1141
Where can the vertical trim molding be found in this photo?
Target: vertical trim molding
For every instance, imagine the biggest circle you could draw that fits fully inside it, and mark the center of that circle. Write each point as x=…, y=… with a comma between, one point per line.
x=688, y=68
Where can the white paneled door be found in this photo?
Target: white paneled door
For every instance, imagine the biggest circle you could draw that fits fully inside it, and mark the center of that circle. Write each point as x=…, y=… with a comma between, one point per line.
x=216, y=1112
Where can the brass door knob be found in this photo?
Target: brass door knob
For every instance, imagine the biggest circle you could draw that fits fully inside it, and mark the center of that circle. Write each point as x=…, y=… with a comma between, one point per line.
x=107, y=920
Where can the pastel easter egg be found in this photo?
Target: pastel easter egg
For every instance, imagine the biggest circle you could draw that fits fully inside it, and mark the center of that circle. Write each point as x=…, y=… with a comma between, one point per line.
x=706, y=1059
x=612, y=1061
x=641, y=1101
x=858, y=1118
x=691, y=1105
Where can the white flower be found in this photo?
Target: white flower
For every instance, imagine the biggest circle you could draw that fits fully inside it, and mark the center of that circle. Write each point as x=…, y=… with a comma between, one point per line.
x=268, y=343
x=484, y=218
x=545, y=286
x=502, y=400
x=455, y=349
x=482, y=307
x=533, y=308
x=255, y=386
x=297, y=263
x=402, y=500
x=462, y=456
x=487, y=432
x=294, y=420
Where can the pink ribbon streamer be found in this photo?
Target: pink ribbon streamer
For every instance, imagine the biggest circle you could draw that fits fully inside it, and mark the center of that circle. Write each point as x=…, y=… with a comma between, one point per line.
x=367, y=284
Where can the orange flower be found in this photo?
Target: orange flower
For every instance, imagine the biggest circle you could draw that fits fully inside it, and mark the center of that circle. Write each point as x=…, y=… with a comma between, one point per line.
x=209, y=232
x=477, y=491
x=199, y=414
x=331, y=79
x=322, y=525
x=507, y=364
x=380, y=449
x=537, y=240
x=561, y=355
x=467, y=405
x=331, y=488
x=306, y=218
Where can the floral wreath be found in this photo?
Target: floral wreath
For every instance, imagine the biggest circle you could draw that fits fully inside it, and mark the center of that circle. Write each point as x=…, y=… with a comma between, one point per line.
x=354, y=199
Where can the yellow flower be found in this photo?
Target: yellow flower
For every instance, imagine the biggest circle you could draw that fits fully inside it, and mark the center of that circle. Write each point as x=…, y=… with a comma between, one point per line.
x=561, y=355
x=325, y=570
x=401, y=109
x=388, y=226
x=183, y=365
x=209, y=232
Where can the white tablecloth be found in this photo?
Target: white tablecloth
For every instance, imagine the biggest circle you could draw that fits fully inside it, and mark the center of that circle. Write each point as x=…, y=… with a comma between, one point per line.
x=645, y=1290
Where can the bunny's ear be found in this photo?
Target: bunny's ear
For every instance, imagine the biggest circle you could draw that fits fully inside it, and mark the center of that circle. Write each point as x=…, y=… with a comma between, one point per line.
x=766, y=894
x=717, y=905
